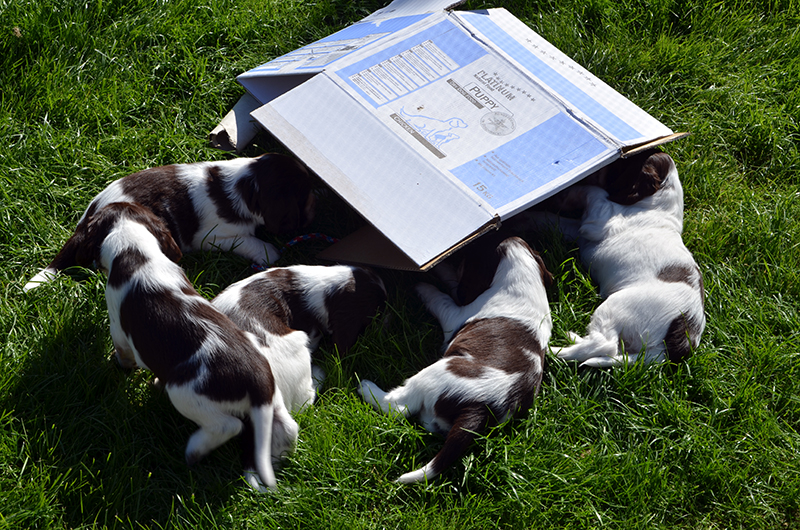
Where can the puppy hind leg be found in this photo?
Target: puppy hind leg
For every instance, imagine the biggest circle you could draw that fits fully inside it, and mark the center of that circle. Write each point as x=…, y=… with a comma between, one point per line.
x=211, y=434
x=263, y=419
x=216, y=426
x=592, y=345
x=401, y=400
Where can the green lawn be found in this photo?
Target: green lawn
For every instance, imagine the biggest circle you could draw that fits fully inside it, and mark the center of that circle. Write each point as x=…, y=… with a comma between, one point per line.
x=91, y=91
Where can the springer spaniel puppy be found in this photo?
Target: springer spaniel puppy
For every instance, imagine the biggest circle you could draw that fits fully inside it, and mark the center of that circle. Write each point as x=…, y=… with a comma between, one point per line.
x=629, y=238
x=209, y=205
x=337, y=300
x=213, y=372
x=492, y=368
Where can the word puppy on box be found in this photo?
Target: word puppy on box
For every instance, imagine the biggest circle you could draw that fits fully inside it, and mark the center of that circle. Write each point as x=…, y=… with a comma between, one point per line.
x=295, y=306
x=492, y=368
x=629, y=238
x=213, y=372
x=209, y=205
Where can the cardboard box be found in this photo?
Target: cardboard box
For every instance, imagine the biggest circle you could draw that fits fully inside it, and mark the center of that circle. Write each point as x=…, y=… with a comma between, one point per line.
x=436, y=125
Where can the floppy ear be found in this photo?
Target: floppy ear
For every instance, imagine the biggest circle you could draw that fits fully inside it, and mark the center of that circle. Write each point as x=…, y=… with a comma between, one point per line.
x=547, y=276
x=168, y=245
x=87, y=248
x=282, y=192
x=637, y=178
x=162, y=234
x=247, y=187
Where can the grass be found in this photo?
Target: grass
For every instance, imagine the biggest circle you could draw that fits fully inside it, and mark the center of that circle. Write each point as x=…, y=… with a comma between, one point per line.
x=92, y=91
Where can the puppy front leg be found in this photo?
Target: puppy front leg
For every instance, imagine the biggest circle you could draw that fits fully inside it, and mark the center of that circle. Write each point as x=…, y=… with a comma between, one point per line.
x=442, y=307
x=257, y=250
x=123, y=350
x=372, y=394
x=594, y=344
x=250, y=247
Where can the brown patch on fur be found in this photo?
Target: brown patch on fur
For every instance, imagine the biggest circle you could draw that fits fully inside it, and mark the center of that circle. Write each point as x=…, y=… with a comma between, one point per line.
x=161, y=191
x=691, y=276
x=682, y=336
x=500, y=343
x=216, y=191
x=261, y=302
x=125, y=265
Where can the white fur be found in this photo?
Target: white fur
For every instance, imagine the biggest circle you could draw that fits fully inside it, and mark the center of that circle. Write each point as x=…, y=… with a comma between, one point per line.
x=218, y=421
x=517, y=292
x=624, y=247
x=289, y=355
x=215, y=232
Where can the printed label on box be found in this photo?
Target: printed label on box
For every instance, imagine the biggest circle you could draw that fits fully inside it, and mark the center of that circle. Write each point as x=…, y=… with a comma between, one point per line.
x=470, y=114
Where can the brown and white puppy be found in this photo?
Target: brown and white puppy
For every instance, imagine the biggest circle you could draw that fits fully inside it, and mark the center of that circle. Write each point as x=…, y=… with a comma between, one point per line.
x=289, y=304
x=629, y=238
x=492, y=368
x=213, y=372
x=209, y=205
x=338, y=300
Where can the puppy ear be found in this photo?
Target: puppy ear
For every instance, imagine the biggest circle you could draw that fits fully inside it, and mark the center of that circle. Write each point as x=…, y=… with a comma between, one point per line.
x=636, y=178
x=247, y=187
x=168, y=245
x=164, y=237
x=547, y=276
x=87, y=246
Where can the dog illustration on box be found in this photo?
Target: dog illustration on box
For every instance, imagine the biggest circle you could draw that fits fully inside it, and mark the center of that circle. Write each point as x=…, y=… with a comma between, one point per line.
x=437, y=132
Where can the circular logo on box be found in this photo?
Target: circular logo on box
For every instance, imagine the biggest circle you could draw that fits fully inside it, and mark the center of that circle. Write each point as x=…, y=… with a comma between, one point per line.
x=498, y=123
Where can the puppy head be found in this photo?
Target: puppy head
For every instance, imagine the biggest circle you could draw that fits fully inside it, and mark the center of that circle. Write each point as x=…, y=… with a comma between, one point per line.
x=630, y=180
x=504, y=248
x=353, y=306
x=103, y=221
x=280, y=191
x=477, y=267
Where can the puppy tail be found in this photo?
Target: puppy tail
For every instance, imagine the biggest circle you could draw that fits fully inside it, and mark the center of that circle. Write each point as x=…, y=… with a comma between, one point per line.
x=261, y=418
x=66, y=258
x=468, y=425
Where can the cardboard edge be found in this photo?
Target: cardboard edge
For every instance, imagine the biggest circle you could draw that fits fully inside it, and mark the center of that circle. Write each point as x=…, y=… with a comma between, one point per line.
x=638, y=148
x=494, y=224
x=368, y=246
x=237, y=128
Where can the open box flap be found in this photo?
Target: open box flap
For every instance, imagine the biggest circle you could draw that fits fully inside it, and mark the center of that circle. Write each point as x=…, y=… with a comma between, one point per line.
x=392, y=187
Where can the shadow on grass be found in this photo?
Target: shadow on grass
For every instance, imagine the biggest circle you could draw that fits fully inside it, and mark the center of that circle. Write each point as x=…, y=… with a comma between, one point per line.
x=103, y=443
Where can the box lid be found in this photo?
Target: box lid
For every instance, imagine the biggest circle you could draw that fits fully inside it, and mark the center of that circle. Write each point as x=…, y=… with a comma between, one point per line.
x=437, y=125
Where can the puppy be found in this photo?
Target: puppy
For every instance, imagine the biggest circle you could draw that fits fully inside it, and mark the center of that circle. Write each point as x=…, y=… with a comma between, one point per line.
x=337, y=300
x=213, y=372
x=629, y=238
x=492, y=367
x=209, y=205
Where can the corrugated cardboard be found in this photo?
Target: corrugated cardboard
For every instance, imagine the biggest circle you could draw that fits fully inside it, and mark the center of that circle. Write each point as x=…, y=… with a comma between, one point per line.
x=436, y=125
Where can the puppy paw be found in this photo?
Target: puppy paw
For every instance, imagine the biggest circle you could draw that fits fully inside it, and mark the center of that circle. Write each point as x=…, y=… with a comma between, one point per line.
x=573, y=337
x=317, y=377
x=251, y=477
x=371, y=393
x=601, y=362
